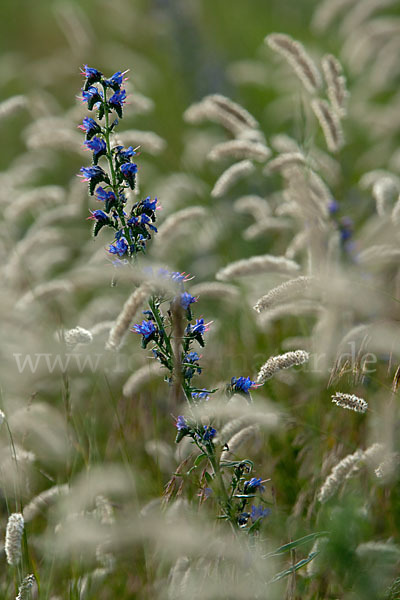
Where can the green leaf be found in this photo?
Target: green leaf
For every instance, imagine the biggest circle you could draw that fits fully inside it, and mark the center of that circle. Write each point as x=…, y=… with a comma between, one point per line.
x=236, y=463
x=98, y=226
x=296, y=543
x=208, y=477
x=197, y=462
x=294, y=568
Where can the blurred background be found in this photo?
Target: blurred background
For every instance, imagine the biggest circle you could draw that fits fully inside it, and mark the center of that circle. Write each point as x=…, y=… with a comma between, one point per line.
x=55, y=276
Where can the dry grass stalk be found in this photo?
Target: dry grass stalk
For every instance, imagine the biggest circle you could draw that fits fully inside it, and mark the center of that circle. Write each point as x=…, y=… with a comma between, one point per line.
x=395, y=216
x=256, y=265
x=369, y=179
x=240, y=149
x=75, y=26
x=330, y=124
x=302, y=64
x=12, y=105
x=297, y=244
x=284, y=144
x=327, y=11
x=283, y=292
x=379, y=253
x=269, y=224
x=128, y=312
x=384, y=191
x=255, y=205
x=360, y=14
x=44, y=292
x=43, y=501
x=148, y=140
x=206, y=110
x=284, y=161
x=283, y=361
x=386, y=469
x=141, y=377
x=289, y=309
x=233, y=108
x=101, y=327
x=338, y=475
x=350, y=401
x=336, y=84
x=214, y=289
x=168, y=228
x=24, y=590
x=230, y=176
x=237, y=440
x=35, y=199
x=14, y=532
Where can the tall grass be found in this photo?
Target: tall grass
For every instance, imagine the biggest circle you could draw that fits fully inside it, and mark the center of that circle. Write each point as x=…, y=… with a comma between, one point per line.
x=276, y=162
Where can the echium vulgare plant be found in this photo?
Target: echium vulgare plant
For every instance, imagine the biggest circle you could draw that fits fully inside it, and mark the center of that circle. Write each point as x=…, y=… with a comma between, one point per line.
x=172, y=341
x=133, y=230
x=174, y=336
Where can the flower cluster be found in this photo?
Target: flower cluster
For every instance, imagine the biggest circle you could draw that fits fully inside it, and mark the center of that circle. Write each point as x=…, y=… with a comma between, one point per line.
x=241, y=386
x=245, y=490
x=201, y=434
x=133, y=229
x=157, y=329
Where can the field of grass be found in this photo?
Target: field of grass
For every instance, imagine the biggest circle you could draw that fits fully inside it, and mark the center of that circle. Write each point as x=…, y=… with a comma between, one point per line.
x=251, y=454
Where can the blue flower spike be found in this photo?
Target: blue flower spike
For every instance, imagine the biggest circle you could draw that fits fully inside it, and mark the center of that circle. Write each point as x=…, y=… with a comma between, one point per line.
x=107, y=97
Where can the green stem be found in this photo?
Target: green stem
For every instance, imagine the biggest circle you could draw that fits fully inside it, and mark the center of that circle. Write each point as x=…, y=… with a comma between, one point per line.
x=114, y=185
x=218, y=475
x=165, y=337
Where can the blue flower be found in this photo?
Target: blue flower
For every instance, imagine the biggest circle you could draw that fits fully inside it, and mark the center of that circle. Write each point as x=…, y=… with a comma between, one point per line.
x=103, y=195
x=191, y=358
x=90, y=127
x=201, y=395
x=199, y=328
x=94, y=175
x=125, y=154
x=92, y=96
x=146, y=329
x=242, y=384
x=181, y=423
x=333, y=207
x=129, y=171
x=258, y=512
x=206, y=493
x=209, y=433
x=182, y=427
x=145, y=220
x=187, y=299
x=253, y=484
x=346, y=228
x=98, y=215
x=176, y=276
x=243, y=519
x=115, y=81
x=119, y=247
x=98, y=147
x=117, y=100
x=149, y=205
x=92, y=75
x=93, y=172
